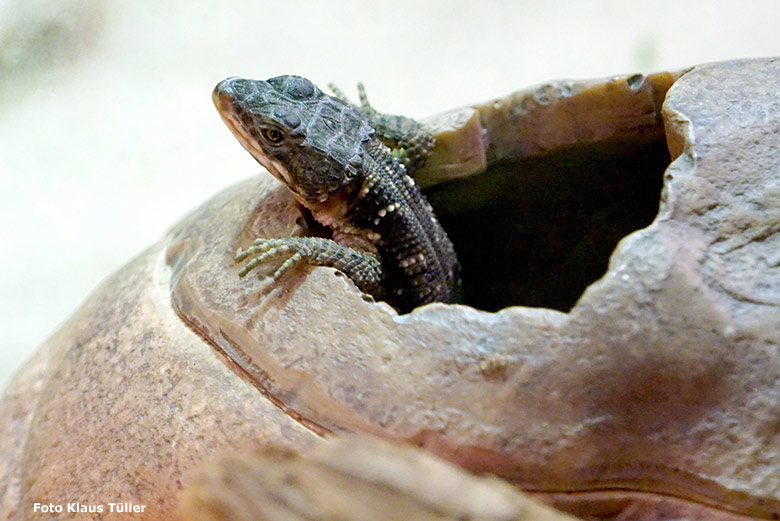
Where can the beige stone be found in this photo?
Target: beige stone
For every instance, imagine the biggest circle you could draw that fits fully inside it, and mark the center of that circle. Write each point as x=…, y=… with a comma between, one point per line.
x=657, y=394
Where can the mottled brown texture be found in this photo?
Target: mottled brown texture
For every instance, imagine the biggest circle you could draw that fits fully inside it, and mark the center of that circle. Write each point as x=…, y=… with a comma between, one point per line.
x=123, y=400
x=645, y=385
x=656, y=396
x=546, y=118
x=352, y=479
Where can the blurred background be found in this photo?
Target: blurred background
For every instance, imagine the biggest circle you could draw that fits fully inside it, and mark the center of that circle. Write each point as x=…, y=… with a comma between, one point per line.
x=108, y=134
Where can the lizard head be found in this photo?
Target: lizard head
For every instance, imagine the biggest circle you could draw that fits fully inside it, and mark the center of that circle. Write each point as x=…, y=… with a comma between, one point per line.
x=307, y=139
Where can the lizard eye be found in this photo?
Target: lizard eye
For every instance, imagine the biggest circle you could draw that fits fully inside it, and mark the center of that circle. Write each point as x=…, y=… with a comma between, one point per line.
x=273, y=135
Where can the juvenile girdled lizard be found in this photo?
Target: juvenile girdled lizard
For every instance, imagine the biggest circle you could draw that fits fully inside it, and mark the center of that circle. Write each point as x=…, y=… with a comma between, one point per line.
x=331, y=155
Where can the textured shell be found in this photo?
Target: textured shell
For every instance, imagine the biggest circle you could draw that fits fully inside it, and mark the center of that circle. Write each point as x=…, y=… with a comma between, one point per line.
x=655, y=394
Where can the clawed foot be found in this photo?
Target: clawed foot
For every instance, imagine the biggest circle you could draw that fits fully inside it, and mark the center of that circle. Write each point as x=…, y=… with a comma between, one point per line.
x=265, y=249
x=364, y=269
x=410, y=141
x=364, y=104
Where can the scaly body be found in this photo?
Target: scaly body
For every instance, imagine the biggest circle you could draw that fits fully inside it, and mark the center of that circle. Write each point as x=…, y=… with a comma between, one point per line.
x=385, y=236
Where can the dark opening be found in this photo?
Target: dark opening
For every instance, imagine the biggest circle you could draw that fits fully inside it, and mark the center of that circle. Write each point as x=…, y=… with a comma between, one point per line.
x=537, y=231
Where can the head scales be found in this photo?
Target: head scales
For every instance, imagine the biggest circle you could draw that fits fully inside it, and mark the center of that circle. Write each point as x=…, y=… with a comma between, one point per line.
x=309, y=140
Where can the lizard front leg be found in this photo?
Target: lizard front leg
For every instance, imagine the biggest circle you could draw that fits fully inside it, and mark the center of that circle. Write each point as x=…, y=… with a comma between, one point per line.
x=409, y=140
x=363, y=268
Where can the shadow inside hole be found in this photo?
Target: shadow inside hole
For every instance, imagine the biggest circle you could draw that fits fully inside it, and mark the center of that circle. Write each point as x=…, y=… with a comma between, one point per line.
x=537, y=231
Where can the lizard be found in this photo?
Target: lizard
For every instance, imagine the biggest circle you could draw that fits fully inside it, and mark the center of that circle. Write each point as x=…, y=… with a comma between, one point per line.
x=335, y=159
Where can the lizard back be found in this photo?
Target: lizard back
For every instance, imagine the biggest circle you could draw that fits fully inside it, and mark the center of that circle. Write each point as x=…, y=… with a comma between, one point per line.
x=336, y=164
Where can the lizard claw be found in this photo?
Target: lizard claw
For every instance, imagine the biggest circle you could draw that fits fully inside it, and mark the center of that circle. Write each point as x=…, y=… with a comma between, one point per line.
x=361, y=88
x=362, y=94
x=362, y=268
x=261, y=251
x=338, y=93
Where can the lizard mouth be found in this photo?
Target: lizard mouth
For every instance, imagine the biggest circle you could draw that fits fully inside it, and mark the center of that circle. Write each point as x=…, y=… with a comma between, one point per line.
x=225, y=107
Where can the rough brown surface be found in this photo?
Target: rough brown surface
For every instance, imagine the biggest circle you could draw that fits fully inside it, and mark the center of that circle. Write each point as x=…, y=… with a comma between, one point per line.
x=656, y=395
x=121, y=401
x=546, y=118
x=352, y=479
